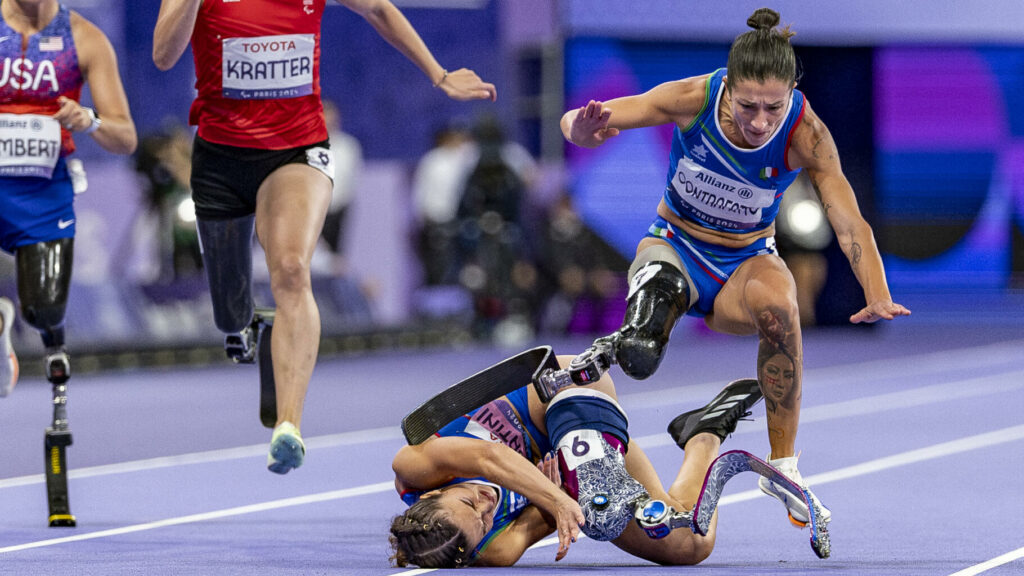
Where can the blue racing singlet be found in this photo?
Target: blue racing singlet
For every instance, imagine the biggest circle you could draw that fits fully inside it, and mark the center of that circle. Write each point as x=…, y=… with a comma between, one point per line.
x=31, y=80
x=721, y=186
x=36, y=197
x=505, y=420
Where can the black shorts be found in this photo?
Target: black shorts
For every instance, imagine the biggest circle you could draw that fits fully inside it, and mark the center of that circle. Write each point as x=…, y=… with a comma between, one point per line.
x=225, y=179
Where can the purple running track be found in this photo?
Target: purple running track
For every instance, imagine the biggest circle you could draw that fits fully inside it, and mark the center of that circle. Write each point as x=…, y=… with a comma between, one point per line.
x=910, y=432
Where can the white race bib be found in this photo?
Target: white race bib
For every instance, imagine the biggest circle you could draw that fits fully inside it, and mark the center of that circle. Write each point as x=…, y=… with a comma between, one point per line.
x=718, y=199
x=580, y=447
x=29, y=145
x=267, y=67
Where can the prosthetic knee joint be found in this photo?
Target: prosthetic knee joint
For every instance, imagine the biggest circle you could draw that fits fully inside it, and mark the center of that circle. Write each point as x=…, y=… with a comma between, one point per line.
x=659, y=293
x=589, y=430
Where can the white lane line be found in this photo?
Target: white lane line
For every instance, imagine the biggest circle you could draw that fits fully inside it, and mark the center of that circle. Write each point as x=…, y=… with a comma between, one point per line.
x=931, y=452
x=314, y=442
x=214, y=515
x=948, y=391
x=990, y=564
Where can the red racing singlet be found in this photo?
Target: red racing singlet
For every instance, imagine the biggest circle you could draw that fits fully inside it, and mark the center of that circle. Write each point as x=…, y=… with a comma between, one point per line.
x=258, y=73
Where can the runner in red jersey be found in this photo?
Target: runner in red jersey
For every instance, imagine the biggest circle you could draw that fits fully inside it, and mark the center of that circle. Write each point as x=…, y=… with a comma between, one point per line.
x=261, y=160
x=258, y=74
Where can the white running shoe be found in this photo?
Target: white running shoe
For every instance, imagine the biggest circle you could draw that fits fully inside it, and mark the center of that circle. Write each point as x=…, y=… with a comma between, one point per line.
x=798, y=513
x=8, y=360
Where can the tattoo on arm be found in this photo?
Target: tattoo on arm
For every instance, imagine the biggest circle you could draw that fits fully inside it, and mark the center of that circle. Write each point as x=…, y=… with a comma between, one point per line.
x=815, y=184
x=815, y=178
x=827, y=152
x=814, y=149
x=855, y=254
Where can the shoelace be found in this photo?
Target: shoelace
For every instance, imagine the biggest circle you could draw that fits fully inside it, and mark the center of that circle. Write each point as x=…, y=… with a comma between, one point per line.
x=732, y=421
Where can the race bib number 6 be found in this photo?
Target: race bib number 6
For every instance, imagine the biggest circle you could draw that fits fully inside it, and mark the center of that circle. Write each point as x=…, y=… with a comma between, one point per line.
x=267, y=67
x=580, y=447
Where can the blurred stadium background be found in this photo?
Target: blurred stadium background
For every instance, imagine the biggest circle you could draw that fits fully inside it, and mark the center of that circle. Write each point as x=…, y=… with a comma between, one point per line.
x=925, y=101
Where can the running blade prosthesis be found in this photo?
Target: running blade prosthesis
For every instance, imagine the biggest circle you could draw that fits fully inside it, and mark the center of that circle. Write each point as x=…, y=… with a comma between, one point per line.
x=734, y=462
x=58, y=438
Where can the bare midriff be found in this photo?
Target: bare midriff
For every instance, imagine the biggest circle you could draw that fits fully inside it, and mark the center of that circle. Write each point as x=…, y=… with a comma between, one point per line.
x=717, y=237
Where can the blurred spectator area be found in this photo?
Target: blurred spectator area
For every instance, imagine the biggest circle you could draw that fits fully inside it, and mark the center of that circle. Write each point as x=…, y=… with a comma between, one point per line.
x=946, y=199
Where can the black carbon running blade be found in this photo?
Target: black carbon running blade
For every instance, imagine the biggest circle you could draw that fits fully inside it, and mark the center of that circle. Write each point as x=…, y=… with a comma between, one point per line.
x=268, y=390
x=57, y=478
x=485, y=386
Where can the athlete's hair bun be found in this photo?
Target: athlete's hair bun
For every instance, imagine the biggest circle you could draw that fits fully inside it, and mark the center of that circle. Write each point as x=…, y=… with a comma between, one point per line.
x=763, y=19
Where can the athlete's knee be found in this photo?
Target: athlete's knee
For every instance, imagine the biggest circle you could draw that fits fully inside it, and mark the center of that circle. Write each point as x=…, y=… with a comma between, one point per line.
x=589, y=430
x=659, y=294
x=703, y=548
x=693, y=552
x=227, y=256
x=773, y=307
x=579, y=408
x=289, y=274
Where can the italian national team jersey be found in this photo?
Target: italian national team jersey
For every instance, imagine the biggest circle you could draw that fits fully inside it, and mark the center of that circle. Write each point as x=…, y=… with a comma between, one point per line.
x=505, y=421
x=36, y=71
x=258, y=73
x=724, y=187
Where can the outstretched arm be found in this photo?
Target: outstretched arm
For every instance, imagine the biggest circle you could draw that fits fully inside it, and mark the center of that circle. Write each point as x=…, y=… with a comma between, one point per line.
x=173, y=31
x=391, y=24
x=438, y=460
x=592, y=125
x=815, y=150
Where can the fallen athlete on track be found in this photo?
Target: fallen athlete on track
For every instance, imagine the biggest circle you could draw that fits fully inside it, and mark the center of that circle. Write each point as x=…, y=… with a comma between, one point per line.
x=490, y=484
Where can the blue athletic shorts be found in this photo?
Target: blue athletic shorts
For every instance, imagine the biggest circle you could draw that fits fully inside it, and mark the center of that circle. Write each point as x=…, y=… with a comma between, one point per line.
x=34, y=210
x=708, y=265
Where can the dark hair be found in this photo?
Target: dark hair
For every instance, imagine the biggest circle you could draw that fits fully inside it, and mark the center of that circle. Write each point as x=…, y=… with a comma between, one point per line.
x=764, y=52
x=425, y=537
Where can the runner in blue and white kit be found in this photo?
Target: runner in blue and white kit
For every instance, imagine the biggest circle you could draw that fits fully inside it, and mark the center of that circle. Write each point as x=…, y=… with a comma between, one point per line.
x=507, y=421
x=490, y=484
x=741, y=136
